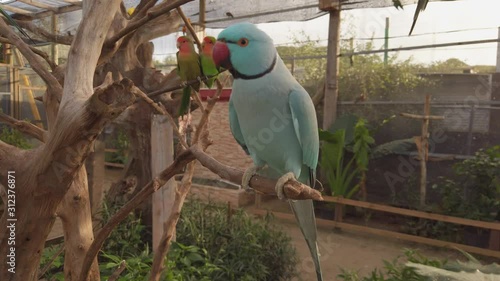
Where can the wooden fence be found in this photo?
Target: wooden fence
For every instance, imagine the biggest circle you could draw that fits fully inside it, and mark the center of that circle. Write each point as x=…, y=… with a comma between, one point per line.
x=338, y=223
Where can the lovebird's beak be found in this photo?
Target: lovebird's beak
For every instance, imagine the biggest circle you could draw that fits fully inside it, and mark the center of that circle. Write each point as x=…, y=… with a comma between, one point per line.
x=221, y=55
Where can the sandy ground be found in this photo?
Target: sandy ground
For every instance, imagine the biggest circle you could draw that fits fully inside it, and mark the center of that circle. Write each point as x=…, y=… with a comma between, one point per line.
x=353, y=251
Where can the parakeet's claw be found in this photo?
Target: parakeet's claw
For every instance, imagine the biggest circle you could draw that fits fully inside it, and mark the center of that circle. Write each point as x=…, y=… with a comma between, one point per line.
x=200, y=79
x=279, y=187
x=183, y=84
x=247, y=176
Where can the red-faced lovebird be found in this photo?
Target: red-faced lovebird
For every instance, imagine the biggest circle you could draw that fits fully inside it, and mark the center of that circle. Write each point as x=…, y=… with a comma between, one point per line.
x=272, y=117
x=188, y=68
x=207, y=63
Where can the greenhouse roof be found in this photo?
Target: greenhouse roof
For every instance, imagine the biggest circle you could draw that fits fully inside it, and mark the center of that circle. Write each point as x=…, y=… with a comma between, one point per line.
x=219, y=13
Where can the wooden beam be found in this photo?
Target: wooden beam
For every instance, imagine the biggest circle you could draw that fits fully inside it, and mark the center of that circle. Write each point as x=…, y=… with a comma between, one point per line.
x=422, y=117
x=16, y=10
x=386, y=233
x=412, y=213
x=38, y=4
x=72, y=2
x=44, y=14
x=332, y=71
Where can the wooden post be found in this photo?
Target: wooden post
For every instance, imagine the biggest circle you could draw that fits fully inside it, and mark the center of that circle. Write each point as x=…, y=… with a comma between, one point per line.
x=498, y=52
x=54, y=48
x=332, y=65
x=386, y=41
x=162, y=146
x=423, y=144
x=95, y=175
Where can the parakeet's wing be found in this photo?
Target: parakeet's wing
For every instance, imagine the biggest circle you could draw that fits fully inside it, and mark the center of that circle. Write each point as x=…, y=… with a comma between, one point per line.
x=208, y=68
x=304, y=123
x=235, y=127
x=177, y=58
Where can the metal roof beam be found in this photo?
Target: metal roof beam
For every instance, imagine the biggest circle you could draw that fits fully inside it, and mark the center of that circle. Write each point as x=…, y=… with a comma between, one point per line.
x=38, y=4
x=16, y=10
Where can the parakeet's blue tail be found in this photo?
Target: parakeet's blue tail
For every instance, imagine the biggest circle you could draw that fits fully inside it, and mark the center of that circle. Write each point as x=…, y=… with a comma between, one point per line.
x=304, y=214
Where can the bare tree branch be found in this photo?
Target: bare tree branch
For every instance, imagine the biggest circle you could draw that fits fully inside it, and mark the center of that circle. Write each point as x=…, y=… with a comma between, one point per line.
x=53, y=162
x=49, y=264
x=118, y=271
x=180, y=86
x=36, y=51
x=161, y=110
x=293, y=189
x=43, y=33
x=33, y=59
x=175, y=168
x=25, y=127
x=169, y=225
x=189, y=27
x=135, y=23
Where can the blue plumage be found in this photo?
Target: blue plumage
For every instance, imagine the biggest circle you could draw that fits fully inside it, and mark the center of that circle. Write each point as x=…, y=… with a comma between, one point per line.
x=271, y=115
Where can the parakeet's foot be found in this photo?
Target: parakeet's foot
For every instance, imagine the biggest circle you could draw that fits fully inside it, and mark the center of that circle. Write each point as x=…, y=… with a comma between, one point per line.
x=183, y=84
x=247, y=176
x=279, y=187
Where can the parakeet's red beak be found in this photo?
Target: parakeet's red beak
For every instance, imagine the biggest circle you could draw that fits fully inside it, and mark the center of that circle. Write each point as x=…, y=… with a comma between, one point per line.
x=221, y=55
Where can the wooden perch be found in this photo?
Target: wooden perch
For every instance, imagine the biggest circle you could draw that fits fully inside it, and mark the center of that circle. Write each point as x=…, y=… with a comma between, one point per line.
x=180, y=86
x=292, y=189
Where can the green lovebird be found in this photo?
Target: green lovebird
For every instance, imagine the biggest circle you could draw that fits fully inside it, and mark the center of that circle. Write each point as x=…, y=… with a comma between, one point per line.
x=207, y=62
x=188, y=68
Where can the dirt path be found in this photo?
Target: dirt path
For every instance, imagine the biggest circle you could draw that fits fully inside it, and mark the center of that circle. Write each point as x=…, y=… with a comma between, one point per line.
x=353, y=251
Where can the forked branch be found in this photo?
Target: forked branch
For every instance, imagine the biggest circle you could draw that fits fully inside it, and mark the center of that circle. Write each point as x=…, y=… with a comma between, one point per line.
x=25, y=127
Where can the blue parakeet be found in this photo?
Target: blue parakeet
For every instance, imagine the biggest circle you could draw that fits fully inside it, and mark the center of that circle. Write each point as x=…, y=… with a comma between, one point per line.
x=272, y=117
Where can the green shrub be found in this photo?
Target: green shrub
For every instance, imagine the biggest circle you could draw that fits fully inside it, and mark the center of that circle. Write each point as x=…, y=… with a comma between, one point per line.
x=130, y=238
x=14, y=137
x=211, y=246
x=246, y=249
x=474, y=191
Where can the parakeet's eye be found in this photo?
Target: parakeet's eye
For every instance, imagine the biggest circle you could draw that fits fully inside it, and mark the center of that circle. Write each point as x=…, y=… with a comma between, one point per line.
x=243, y=42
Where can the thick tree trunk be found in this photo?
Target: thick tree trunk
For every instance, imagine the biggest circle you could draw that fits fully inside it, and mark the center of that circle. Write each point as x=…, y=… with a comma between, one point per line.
x=76, y=216
x=51, y=180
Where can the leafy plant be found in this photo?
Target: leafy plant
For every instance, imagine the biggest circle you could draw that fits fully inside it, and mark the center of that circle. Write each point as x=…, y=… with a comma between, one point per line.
x=54, y=272
x=245, y=248
x=120, y=142
x=474, y=191
x=128, y=239
x=14, y=137
x=395, y=270
x=351, y=136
